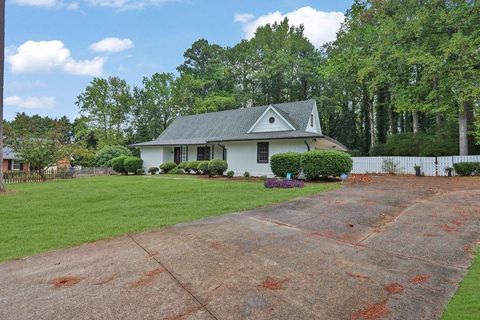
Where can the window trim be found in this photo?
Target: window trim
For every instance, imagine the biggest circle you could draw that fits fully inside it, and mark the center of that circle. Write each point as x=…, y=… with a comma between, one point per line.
x=258, y=152
x=204, y=153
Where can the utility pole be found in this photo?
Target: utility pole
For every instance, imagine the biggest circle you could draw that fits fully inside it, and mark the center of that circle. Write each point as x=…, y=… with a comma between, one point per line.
x=2, y=72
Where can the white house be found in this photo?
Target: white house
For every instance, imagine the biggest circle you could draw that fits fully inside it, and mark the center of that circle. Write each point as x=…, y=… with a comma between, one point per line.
x=246, y=138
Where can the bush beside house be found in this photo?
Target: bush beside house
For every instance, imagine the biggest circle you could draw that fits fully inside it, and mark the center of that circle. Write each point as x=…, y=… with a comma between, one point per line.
x=328, y=163
x=217, y=167
x=133, y=164
x=118, y=164
x=104, y=156
x=283, y=163
x=167, y=166
x=203, y=167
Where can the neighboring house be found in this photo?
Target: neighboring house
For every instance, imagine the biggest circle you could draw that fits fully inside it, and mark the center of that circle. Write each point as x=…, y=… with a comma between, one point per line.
x=11, y=161
x=246, y=138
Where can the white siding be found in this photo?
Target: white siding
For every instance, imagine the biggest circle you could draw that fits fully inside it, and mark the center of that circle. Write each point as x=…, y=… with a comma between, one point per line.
x=151, y=156
x=265, y=126
x=242, y=156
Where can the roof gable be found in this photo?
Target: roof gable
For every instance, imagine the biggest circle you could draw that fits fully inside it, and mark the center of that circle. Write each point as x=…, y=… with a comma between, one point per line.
x=272, y=120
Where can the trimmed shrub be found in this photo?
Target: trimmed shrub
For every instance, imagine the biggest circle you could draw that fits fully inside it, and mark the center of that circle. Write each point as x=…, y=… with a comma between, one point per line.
x=176, y=171
x=104, y=156
x=246, y=174
x=283, y=183
x=118, y=164
x=283, y=163
x=203, y=167
x=230, y=174
x=140, y=172
x=467, y=168
x=217, y=167
x=153, y=170
x=193, y=166
x=132, y=164
x=325, y=163
x=167, y=166
x=184, y=166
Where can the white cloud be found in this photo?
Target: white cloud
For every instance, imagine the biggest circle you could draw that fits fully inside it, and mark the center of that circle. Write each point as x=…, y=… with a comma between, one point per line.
x=320, y=26
x=31, y=102
x=44, y=56
x=36, y=3
x=112, y=45
x=128, y=4
x=23, y=85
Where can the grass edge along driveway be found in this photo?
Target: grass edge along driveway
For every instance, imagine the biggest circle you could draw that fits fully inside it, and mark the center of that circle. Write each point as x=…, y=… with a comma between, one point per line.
x=465, y=304
x=40, y=217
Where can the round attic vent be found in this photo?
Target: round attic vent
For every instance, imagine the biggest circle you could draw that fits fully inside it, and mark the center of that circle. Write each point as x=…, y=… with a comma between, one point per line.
x=271, y=120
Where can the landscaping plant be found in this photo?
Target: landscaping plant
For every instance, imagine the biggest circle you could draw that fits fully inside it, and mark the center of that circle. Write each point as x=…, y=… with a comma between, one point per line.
x=230, y=174
x=193, y=166
x=184, y=166
x=167, y=166
x=283, y=183
x=103, y=157
x=133, y=164
x=328, y=163
x=283, y=163
x=203, y=167
x=217, y=167
x=153, y=170
x=467, y=168
x=118, y=164
x=246, y=174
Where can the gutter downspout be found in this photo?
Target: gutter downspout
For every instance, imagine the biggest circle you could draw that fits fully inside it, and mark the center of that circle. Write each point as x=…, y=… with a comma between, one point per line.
x=308, y=146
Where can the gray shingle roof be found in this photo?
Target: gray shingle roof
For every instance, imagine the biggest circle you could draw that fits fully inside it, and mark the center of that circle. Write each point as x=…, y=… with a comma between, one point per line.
x=8, y=153
x=233, y=125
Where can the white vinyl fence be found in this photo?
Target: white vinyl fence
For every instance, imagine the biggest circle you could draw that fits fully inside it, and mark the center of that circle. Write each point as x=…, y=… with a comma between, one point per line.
x=431, y=166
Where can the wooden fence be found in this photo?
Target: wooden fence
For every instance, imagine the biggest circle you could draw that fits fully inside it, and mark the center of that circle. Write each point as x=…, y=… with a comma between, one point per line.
x=22, y=177
x=431, y=166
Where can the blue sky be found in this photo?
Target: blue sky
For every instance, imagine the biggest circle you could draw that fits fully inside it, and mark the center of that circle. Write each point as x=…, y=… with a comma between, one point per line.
x=54, y=48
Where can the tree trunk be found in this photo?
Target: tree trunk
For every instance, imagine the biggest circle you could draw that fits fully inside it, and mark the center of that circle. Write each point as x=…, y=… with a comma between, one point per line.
x=415, y=126
x=439, y=122
x=366, y=122
x=2, y=60
x=465, y=120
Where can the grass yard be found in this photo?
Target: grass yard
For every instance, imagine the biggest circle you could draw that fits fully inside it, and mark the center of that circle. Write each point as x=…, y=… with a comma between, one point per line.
x=38, y=217
x=465, y=304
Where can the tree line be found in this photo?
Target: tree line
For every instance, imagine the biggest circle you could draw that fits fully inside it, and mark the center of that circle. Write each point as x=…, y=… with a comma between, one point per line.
x=402, y=78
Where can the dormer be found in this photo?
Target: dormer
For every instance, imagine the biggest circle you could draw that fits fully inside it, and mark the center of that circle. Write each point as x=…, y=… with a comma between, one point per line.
x=272, y=120
x=314, y=121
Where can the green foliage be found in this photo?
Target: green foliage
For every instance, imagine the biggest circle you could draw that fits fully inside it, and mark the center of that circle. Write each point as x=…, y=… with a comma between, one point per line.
x=153, y=170
x=82, y=156
x=230, y=174
x=391, y=166
x=176, y=170
x=184, y=165
x=118, y=164
x=167, y=166
x=140, y=172
x=217, y=167
x=203, y=167
x=467, y=168
x=327, y=163
x=193, y=166
x=246, y=174
x=104, y=156
x=283, y=163
x=133, y=164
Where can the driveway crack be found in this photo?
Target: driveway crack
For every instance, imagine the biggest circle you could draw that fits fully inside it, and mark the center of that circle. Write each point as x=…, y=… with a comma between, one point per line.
x=161, y=264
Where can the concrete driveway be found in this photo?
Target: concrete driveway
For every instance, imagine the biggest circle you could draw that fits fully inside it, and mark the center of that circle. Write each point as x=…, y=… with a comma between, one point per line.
x=393, y=247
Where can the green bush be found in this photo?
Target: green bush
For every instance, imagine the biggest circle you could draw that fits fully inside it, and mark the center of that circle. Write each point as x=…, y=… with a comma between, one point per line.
x=230, y=174
x=176, y=171
x=203, y=167
x=217, y=167
x=193, y=166
x=184, y=166
x=283, y=163
x=104, y=156
x=140, y=172
x=467, y=168
x=167, y=166
x=118, y=164
x=246, y=174
x=325, y=163
x=132, y=164
x=153, y=170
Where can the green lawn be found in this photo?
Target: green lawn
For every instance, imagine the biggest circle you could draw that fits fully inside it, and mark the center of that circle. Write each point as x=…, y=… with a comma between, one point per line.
x=465, y=304
x=38, y=217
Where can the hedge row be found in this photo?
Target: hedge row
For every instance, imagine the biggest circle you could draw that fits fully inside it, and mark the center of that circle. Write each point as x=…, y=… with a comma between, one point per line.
x=212, y=167
x=315, y=164
x=467, y=168
x=126, y=164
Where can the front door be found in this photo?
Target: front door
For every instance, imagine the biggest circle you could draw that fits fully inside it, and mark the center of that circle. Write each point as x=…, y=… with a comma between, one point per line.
x=177, y=155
